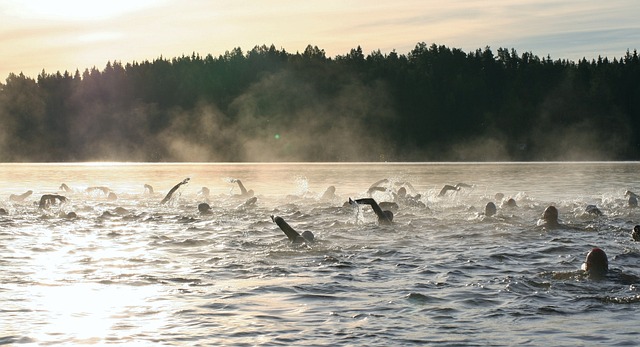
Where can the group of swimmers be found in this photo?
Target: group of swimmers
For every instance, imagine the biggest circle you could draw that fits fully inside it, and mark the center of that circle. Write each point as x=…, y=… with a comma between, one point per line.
x=596, y=263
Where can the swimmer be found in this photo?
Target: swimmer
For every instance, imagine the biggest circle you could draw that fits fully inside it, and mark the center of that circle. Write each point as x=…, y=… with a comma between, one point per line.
x=168, y=196
x=376, y=187
x=387, y=205
x=3, y=212
x=104, y=190
x=499, y=196
x=204, y=208
x=402, y=197
x=112, y=196
x=20, y=197
x=243, y=191
x=50, y=199
x=593, y=209
x=408, y=184
x=65, y=187
x=293, y=235
x=250, y=202
x=384, y=217
x=635, y=234
x=490, y=209
x=550, y=216
x=510, y=203
x=70, y=215
x=596, y=263
x=204, y=191
x=118, y=211
x=632, y=202
x=630, y=194
x=329, y=194
x=148, y=189
x=448, y=187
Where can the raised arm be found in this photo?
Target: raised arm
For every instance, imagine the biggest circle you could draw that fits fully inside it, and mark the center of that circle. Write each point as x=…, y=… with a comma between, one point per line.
x=168, y=196
x=384, y=217
x=292, y=235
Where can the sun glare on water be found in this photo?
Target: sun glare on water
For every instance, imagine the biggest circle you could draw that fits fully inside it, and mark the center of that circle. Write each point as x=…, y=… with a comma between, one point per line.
x=85, y=311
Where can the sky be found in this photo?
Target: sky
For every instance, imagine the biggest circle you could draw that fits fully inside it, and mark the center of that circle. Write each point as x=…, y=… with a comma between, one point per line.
x=65, y=35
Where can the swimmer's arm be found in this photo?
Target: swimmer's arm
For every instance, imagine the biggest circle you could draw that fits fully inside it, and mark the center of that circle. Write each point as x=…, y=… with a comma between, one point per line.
x=374, y=205
x=292, y=235
x=168, y=196
x=243, y=190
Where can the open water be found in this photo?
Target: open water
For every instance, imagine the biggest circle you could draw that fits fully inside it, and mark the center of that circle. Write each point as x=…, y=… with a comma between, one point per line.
x=134, y=272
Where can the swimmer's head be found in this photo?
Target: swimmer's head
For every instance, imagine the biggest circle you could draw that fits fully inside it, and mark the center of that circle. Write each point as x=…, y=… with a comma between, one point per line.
x=633, y=201
x=593, y=209
x=635, y=234
x=389, y=215
x=596, y=263
x=511, y=203
x=550, y=215
x=499, y=196
x=490, y=209
x=308, y=236
x=204, y=207
x=402, y=192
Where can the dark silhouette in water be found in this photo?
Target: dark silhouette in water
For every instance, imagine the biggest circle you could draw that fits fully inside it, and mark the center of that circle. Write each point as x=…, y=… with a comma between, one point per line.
x=490, y=209
x=632, y=202
x=148, y=189
x=389, y=205
x=510, y=203
x=593, y=209
x=204, y=208
x=168, y=196
x=448, y=187
x=70, y=215
x=50, y=199
x=21, y=197
x=402, y=197
x=635, y=234
x=3, y=212
x=596, y=264
x=384, y=217
x=292, y=234
x=550, y=217
x=244, y=193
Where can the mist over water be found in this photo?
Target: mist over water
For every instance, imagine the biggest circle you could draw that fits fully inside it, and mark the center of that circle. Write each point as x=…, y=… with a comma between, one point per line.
x=134, y=272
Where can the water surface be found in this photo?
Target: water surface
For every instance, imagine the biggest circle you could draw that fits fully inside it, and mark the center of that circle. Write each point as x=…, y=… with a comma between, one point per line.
x=133, y=272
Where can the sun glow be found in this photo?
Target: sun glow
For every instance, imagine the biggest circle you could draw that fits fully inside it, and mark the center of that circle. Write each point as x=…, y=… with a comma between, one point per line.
x=75, y=10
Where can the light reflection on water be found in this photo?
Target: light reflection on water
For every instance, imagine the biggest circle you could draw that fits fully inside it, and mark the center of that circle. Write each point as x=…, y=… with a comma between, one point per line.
x=444, y=274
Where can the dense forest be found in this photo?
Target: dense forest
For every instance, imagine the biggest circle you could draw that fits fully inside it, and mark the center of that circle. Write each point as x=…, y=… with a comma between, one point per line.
x=432, y=104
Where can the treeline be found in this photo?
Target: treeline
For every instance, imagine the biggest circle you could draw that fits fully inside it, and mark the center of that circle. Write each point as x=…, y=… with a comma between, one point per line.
x=432, y=104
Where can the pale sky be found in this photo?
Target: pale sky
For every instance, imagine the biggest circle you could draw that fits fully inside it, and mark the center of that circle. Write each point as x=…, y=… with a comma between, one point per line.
x=72, y=34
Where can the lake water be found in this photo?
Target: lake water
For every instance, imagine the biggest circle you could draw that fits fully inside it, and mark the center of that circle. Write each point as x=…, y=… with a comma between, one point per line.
x=442, y=274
